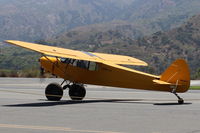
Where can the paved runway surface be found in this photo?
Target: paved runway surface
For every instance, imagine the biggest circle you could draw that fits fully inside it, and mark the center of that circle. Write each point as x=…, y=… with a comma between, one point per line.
x=23, y=108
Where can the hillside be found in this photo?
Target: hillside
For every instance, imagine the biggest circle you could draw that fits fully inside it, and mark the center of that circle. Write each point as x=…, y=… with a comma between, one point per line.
x=159, y=49
x=31, y=20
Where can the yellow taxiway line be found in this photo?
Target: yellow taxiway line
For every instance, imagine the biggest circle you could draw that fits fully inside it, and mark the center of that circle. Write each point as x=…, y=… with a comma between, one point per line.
x=50, y=128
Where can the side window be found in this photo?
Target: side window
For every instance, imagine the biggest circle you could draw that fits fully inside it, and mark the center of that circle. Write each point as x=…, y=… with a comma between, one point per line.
x=82, y=64
x=75, y=62
x=66, y=60
x=93, y=66
x=62, y=60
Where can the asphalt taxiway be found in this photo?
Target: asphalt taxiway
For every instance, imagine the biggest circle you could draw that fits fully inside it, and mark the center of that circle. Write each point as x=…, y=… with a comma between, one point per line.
x=24, y=108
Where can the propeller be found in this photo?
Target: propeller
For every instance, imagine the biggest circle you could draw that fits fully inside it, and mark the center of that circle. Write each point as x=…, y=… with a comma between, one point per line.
x=41, y=72
x=42, y=76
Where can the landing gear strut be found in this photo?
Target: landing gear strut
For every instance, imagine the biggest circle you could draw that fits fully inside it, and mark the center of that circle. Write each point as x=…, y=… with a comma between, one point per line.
x=76, y=91
x=180, y=100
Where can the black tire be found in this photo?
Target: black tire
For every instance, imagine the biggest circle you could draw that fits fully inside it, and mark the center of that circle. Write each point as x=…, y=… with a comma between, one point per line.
x=77, y=92
x=54, y=92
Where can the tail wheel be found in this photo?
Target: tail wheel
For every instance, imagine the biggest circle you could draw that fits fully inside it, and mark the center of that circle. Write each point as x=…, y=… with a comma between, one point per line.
x=77, y=92
x=180, y=101
x=54, y=92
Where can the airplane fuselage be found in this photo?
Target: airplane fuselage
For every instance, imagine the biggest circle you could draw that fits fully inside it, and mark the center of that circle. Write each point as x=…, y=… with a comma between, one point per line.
x=100, y=74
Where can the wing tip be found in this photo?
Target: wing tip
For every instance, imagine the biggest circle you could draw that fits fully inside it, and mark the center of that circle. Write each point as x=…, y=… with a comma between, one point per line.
x=9, y=41
x=145, y=64
x=142, y=63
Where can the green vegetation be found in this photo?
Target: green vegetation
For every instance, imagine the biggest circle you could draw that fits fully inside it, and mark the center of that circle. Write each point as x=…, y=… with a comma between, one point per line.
x=20, y=73
x=17, y=62
x=197, y=74
x=195, y=87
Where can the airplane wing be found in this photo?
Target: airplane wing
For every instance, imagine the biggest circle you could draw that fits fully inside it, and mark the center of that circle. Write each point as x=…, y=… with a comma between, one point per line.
x=79, y=55
x=121, y=59
x=54, y=51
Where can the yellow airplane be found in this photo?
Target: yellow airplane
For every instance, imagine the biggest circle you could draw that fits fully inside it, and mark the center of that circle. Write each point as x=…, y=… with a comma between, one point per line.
x=79, y=67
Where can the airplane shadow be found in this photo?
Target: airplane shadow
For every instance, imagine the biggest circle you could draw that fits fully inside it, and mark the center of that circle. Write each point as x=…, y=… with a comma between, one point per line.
x=164, y=104
x=70, y=102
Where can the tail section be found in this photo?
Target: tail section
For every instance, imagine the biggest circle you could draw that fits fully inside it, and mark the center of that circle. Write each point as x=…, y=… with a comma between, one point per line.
x=178, y=75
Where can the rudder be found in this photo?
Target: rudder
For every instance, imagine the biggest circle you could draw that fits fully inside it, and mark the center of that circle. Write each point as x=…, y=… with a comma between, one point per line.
x=178, y=74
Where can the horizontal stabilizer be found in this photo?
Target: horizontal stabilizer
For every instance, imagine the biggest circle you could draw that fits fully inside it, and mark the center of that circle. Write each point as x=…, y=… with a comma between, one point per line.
x=160, y=82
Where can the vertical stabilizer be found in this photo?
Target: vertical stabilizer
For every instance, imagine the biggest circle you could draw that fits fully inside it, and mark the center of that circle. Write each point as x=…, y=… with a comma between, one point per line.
x=178, y=74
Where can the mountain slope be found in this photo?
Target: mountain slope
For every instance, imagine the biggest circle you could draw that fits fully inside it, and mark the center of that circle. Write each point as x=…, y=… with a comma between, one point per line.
x=31, y=20
x=159, y=49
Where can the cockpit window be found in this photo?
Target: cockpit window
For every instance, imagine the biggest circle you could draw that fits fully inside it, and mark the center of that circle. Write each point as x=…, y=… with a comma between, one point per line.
x=92, y=66
x=82, y=64
x=62, y=60
x=66, y=60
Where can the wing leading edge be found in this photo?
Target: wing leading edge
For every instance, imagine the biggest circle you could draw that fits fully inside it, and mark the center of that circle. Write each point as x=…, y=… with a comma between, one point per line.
x=79, y=55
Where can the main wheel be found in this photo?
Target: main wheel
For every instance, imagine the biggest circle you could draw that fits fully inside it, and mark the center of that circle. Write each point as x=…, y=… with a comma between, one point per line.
x=54, y=92
x=77, y=92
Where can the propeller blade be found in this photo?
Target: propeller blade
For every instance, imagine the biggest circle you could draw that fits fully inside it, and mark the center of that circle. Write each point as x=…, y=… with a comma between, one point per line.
x=42, y=77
